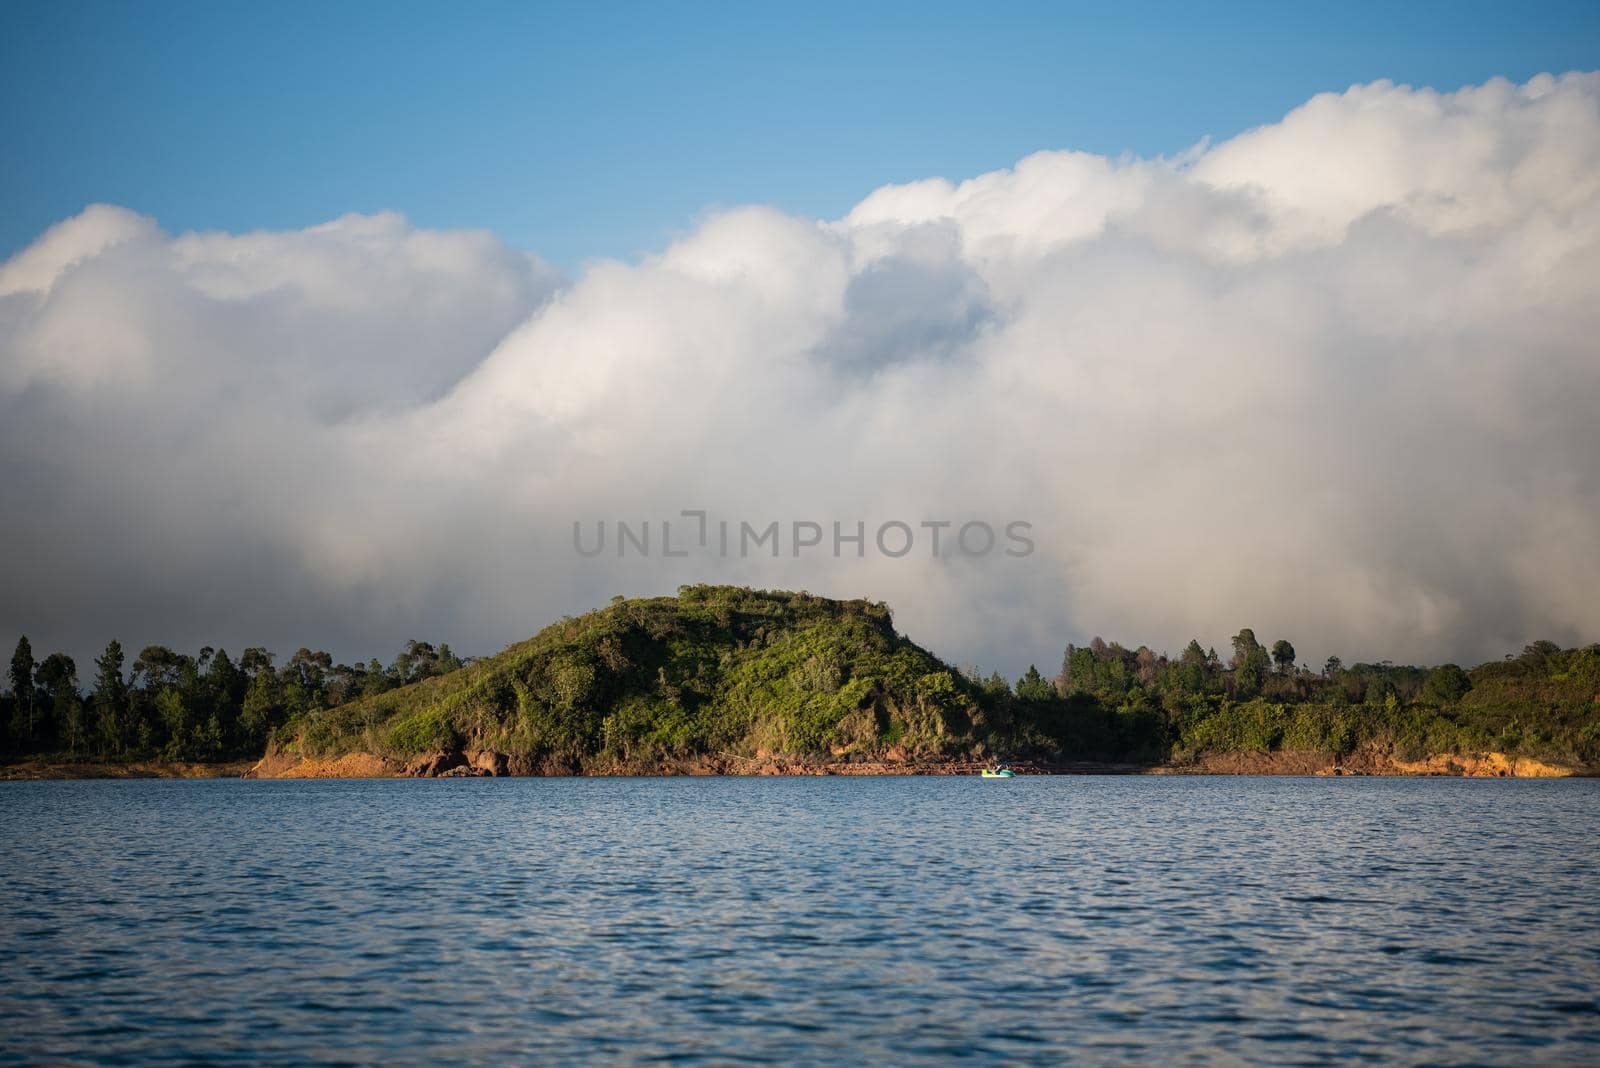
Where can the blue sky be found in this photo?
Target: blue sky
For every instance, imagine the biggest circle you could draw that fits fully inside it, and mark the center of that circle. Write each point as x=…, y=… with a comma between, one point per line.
x=584, y=130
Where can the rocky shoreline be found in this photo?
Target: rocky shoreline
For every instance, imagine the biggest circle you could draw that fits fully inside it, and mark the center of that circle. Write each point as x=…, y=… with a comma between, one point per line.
x=485, y=763
x=489, y=763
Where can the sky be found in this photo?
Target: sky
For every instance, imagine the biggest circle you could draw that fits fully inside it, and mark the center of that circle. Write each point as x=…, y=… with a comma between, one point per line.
x=604, y=130
x=325, y=326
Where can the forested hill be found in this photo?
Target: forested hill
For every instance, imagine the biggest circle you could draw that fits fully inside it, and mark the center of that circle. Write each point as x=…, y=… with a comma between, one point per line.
x=743, y=673
x=713, y=670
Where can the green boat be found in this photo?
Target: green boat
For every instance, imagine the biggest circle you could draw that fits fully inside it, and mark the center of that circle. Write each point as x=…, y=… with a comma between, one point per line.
x=1001, y=772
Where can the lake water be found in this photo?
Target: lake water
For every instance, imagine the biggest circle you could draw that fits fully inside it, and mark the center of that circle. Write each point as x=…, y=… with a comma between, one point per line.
x=896, y=920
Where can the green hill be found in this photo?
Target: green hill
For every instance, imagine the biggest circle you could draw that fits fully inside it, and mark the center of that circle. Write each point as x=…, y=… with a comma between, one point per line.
x=716, y=669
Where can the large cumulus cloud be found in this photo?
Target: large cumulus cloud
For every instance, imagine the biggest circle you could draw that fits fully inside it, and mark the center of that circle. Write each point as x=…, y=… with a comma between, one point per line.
x=1334, y=378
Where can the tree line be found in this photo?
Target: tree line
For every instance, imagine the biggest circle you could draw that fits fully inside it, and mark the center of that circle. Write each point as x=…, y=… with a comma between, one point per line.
x=174, y=706
x=1134, y=703
x=1107, y=701
x=1256, y=671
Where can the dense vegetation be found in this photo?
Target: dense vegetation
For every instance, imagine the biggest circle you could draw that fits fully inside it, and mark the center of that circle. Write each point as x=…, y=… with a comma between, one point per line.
x=713, y=670
x=1542, y=703
x=178, y=707
x=738, y=672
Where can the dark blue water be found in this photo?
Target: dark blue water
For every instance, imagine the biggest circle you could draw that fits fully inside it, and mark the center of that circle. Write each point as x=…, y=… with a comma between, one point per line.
x=802, y=920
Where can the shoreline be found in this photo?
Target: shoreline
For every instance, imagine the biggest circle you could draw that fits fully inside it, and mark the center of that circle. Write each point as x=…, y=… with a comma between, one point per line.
x=471, y=762
x=484, y=764
x=38, y=769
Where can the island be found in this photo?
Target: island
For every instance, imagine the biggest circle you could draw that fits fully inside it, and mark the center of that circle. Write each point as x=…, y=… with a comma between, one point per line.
x=726, y=680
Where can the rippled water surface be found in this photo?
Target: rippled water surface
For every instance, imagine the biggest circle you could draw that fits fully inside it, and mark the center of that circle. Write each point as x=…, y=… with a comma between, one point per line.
x=802, y=920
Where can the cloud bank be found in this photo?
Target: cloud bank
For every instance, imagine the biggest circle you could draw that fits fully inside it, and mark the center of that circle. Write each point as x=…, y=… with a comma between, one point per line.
x=1336, y=378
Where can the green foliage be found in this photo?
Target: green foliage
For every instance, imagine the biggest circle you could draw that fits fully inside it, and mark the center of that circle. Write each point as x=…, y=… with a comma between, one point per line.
x=205, y=707
x=57, y=680
x=1195, y=673
x=1251, y=671
x=715, y=669
x=1251, y=726
x=421, y=731
x=736, y=671
x=1033, y=687
x=111, y=702
x=1309, y=729
x=263, y=710
x=23, y=711
x=739, y=672
x=1446, y=685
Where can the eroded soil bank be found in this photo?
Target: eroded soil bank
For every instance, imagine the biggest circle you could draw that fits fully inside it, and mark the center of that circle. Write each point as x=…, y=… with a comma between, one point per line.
x=470, y=762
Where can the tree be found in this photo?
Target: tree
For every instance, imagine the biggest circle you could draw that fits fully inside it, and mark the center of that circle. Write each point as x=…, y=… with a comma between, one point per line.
x=225, y=688
x=1147, y=665
x=22, y=702
x=310, y=670
x=413, y=662
x=111, y=700
x=1189, y=674
x=377, y=680
x=1034, y=687
x=178, y=719
x=1250, y=664
x=263, y=710
x=1332, y=667
x=158, y=666
x=1446, y=684
x=1540, y=658
x=1244, y=643
x=58, y=682
x=1064, y=678
x=344, y=683
x=1283, y=656
x=254, y=661
x=420, y=660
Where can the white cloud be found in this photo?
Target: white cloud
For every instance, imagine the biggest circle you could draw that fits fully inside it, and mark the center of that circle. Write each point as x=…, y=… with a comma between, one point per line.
x=1334, y=379
x=98, y=228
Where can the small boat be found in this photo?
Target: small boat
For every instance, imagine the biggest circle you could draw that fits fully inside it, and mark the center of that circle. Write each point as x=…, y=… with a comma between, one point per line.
x=1001, y=772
